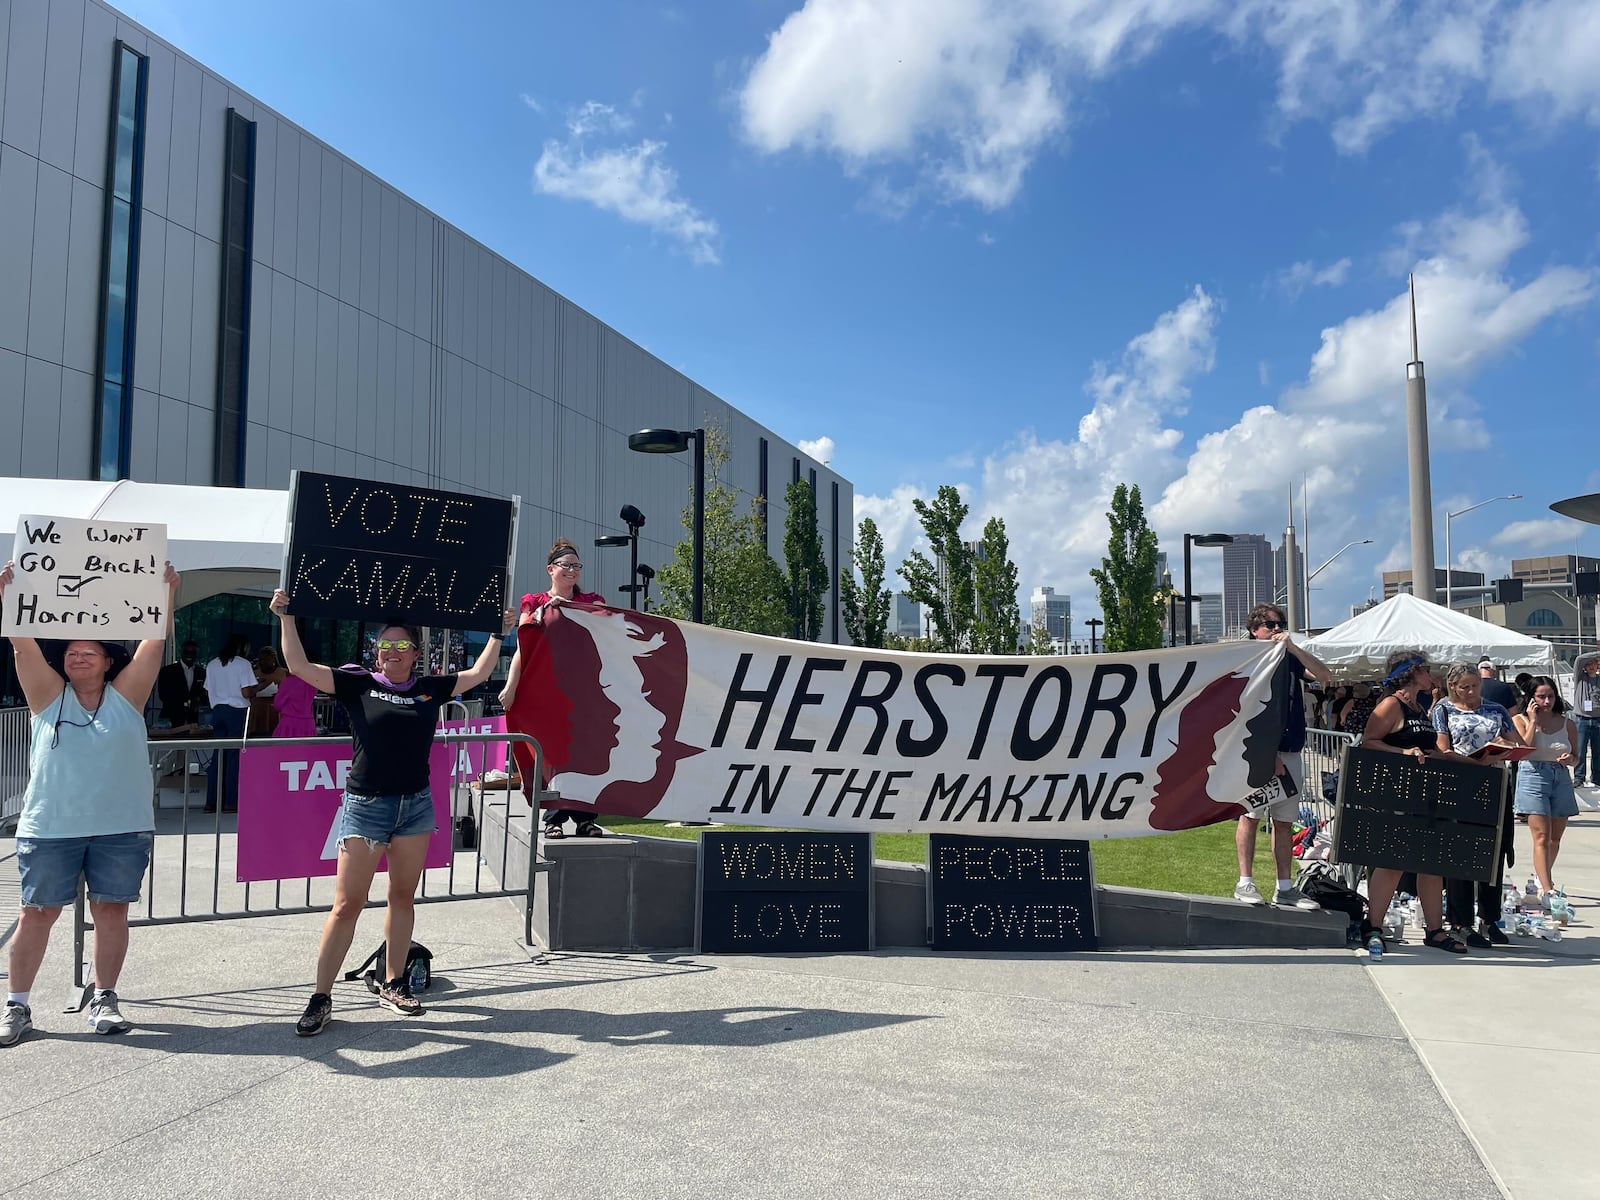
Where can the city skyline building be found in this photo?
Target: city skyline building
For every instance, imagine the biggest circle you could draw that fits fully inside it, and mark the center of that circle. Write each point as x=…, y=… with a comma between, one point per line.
x=1053, y=611
x=1247, y=578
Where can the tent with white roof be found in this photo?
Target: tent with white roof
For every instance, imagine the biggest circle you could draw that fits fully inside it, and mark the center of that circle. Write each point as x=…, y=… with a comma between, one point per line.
x=1356, y=650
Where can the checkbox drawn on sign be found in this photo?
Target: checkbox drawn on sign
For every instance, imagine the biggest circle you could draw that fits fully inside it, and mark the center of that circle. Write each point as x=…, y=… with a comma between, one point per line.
x=70, y=587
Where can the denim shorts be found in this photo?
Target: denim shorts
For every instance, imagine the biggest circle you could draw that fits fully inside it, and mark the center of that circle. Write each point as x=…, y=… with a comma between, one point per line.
x=1545, y=789
x=380, y=818
x=112, y=863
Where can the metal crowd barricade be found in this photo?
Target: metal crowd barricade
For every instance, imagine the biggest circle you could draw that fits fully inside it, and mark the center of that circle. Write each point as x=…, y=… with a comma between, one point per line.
x=201, y=863
x=16, y=736
x=1322, y=758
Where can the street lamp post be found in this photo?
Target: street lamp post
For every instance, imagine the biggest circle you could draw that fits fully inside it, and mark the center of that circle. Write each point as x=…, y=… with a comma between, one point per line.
x=1449, y=559
x=675, y=441
x=1094, y=624
x=645, y=574
x=1306, y=607
x=614, y=540
x=1195, y=539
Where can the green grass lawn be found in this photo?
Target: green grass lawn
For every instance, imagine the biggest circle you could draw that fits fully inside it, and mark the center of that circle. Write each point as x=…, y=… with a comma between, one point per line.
x=1200, y=861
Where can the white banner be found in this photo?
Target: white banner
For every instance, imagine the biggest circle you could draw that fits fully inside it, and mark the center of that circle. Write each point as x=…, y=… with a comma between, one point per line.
x=87, y=579
x=642, y=716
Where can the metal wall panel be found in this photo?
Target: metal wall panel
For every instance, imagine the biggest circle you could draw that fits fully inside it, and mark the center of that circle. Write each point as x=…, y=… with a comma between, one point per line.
x=455, y=289
x=303, y=410
x=202, y=442
x=152, y=287
x=308, y=216
x=263, y=233
x=212, y=169
x=277, y=474
x=58, y=126
x=330, y=220
x=177, y=316
x=405, y=262
x=28, y=35
x=74, y=448
x=46, y=292
x=172, y=439
x=388, y=253
x=371, y=211
x=285, y=184
x=350, y=233
x=255, y=455
x=183, y=171
x=391, y=412
x=5, y=46
x=325, y=418
x=83, y=276
x=13, y=382
x=279, y=346
x=347, y=403
x=137, y=38
x=19, y=190
x=145, y=435
x=368, y=406
x=207, y=299
x=94, y=94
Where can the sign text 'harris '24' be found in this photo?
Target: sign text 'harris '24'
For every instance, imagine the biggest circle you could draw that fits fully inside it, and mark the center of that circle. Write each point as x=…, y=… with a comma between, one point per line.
x=359, y=549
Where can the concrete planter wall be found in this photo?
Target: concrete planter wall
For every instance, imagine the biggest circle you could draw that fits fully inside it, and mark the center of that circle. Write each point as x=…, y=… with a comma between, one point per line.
x=638, y=894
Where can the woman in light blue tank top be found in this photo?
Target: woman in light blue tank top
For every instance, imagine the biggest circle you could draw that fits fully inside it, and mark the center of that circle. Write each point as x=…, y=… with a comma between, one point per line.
x=88, y=811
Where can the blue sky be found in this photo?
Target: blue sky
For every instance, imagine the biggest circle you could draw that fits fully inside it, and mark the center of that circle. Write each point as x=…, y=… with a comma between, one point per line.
x=1035, y=248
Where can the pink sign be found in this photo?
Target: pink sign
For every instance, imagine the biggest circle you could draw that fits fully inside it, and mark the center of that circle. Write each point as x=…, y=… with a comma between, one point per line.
x=289, y=801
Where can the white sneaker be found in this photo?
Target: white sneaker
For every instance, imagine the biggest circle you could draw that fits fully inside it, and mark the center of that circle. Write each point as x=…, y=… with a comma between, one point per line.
x=16, y=1021
x=1247, y=893
x=104, y=1015
x=1293, y=897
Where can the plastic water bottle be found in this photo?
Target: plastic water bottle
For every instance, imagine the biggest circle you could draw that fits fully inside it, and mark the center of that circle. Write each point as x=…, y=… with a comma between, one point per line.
x=419, y=976
x=1374, y=948
x=1394, y=925
x=1508, y=911
x=1532, y=887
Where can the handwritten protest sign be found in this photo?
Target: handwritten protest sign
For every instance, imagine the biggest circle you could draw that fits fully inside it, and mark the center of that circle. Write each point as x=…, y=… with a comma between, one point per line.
x=92, y=579
x=360, y=549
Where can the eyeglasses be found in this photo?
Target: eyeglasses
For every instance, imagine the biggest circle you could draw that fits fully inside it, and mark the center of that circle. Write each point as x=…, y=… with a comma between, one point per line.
x=568, y=566
x=402, y=645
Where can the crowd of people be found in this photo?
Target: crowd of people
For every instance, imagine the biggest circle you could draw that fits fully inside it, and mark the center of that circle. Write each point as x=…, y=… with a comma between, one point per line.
x=88, y=817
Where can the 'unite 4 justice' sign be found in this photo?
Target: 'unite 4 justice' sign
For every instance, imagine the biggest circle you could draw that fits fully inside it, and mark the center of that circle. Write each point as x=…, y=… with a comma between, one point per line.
x=359, y=549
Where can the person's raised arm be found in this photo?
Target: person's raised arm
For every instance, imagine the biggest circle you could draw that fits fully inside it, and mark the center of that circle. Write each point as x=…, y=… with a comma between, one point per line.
x=294, y=654
x=1314, y=666
x=136, y=680
x=41, y=686
x=480, y=671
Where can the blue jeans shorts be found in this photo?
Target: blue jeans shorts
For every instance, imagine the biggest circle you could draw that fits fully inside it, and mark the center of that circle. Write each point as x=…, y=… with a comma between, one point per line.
x=113, y=864
x=378, y=819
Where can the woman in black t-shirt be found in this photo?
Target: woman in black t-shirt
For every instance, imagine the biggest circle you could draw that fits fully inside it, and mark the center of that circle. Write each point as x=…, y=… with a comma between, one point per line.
x=388, y=804
x=1400, y=724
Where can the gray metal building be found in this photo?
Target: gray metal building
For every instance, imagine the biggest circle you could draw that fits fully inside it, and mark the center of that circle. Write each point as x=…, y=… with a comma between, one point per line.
x=195, y=290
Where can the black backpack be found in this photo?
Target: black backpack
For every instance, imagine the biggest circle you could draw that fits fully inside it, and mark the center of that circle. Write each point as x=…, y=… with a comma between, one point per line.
x=376, y=977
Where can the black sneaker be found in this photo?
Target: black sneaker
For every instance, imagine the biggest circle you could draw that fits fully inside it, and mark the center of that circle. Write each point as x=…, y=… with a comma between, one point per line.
x=316, y=1017
x=397, y=998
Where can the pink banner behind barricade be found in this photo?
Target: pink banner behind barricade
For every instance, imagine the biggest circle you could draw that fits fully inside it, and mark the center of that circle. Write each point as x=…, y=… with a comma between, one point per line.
x=472, y=759
x=289, y=801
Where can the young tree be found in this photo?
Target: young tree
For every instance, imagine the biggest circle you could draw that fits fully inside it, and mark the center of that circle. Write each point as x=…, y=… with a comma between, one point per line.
x=865, y=606
x=744, y=587
x=998, y=620
x=807, y=580
x=945, y=586
x=1126, y=577
x=1040, y=643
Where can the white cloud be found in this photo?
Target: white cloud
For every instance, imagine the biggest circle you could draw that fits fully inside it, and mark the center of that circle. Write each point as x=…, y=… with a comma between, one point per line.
x=530, y=102
x=1540, y=534
x=966, y=94
x=632, y=181
x=821, y=449
x=1293, y=280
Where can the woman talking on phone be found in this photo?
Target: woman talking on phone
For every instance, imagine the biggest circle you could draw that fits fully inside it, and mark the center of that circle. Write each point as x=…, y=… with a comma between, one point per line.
x=388, y=803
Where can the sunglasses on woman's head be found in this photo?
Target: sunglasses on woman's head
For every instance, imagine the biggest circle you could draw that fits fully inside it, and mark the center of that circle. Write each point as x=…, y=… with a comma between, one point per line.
x=402, y=645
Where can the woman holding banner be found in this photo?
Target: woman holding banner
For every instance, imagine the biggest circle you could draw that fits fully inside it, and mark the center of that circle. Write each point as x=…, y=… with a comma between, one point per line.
x=388, y=801
x=87, y=813
x=1401, y=725
x=564, y=566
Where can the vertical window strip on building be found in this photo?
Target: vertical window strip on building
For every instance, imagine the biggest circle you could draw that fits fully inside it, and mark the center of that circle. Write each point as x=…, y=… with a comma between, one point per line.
x=761, y=490
x=233, y=323
x=119, y=265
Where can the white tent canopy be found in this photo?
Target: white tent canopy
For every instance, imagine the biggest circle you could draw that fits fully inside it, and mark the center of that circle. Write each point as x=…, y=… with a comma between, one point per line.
x=1356, y=650
x=219, y=539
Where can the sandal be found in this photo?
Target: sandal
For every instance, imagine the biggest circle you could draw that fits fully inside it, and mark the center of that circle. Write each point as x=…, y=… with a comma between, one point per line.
x=590, y=829
x=553, y=832
x=1474, y=939
x=1440, y=939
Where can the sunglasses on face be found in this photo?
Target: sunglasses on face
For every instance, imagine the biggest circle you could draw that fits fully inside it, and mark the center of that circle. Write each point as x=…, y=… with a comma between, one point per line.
x=402, y=645
x=1271, y=625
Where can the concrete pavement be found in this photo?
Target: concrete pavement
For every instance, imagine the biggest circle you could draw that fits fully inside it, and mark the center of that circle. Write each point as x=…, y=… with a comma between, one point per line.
x=1120, y=1074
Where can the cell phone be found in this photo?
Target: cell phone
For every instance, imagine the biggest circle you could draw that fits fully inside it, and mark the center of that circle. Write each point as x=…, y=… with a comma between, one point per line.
x=1289, y=788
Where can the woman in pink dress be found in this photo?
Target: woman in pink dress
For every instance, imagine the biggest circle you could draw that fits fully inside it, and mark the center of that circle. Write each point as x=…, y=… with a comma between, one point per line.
x=296, y=717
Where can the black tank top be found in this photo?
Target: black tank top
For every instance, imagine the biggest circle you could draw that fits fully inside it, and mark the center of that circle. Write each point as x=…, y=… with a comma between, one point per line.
x=1416, y=730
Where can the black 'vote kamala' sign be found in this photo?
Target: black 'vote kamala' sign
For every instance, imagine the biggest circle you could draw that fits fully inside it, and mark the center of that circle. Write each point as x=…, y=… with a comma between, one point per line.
x=775, y=892
x=361, y=549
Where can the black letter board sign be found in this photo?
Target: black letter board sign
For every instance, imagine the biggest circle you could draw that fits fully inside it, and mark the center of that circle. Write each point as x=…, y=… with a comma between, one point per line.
x=774, y=892
x=1010, y=894
x=360, y=549
x=1436, y=817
